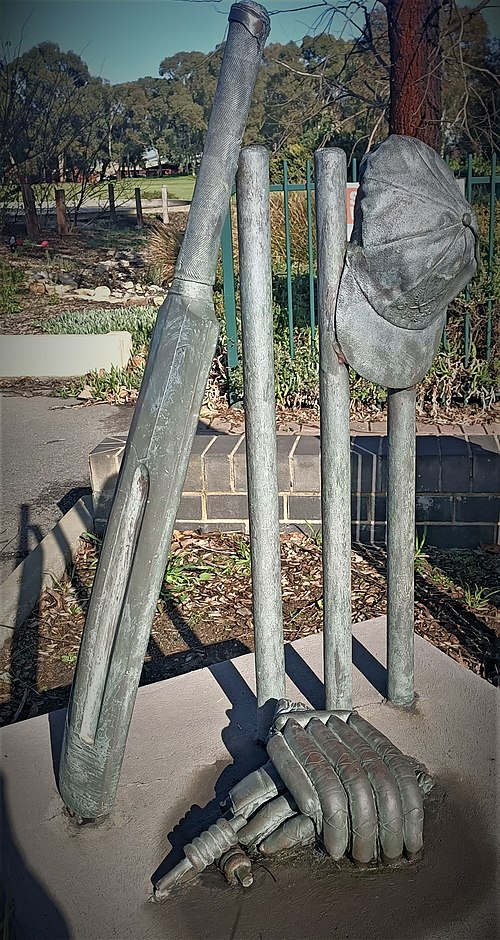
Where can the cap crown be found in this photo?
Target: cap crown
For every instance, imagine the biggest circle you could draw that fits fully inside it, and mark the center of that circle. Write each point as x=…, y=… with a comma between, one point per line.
x=412, y=263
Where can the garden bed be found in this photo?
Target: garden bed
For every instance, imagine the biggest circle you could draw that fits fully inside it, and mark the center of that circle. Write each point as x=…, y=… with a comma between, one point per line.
x=204, y=613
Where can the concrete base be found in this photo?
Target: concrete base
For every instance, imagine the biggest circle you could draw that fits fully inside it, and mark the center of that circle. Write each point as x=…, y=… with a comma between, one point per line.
x=190, y=740
x=62, y=354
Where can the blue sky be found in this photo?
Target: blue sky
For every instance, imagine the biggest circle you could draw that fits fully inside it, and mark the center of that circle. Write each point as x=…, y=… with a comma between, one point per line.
x=122, y=40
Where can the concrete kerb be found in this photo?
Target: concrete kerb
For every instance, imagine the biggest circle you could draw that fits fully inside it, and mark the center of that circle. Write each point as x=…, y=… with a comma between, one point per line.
x=48, y=561
x=63, y=355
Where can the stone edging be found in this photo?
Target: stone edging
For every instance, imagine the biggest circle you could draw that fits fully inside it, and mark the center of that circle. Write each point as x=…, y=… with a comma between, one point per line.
x=63, y=354
x=48, y=561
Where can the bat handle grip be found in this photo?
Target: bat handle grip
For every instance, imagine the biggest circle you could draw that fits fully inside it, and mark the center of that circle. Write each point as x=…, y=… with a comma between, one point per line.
x=248, y=31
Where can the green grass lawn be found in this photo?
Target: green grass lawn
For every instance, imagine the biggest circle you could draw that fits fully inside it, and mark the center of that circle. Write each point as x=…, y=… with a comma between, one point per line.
x=179, y=187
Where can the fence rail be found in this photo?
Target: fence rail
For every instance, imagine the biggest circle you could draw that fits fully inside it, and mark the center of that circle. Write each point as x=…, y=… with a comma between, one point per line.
x=473, y=194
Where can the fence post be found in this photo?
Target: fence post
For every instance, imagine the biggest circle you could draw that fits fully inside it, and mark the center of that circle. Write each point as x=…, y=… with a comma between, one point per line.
x=468, y=196
x=111, y=198
x=254, y=237
x=400, y=544
x=491, y=251
x=164, y=205
x=30, y=213
x=229, y=301
x=330, y=175
x=288, y=260
x=138, y=207
x=62, y=221
x=310, y=253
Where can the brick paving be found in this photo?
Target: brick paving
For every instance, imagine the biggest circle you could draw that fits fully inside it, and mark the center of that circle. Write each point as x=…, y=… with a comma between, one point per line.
x=237, y=426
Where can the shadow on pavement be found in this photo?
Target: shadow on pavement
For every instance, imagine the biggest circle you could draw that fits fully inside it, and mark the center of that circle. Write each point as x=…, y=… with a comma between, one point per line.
x=13, y=872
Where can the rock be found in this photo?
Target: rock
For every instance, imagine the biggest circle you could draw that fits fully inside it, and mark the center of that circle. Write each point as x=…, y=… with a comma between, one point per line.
x=133, y=301
x=66, y=280
x=85, y=293
x=111, y=252
x=62, y=289
x=40, y=276
x=86, y=393
x=139, y=289
x=154, y=287
x=128, y=285
x=106, y=265
x=125, y=264
x=37, y=287
x=102, y=292
x=158, y=301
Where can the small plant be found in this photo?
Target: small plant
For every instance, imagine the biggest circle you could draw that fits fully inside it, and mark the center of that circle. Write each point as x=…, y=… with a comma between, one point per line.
x=91, y=537
x=314, y=535
x=420, y=557
x=69, y=658
x=153, y=274
x=181, y=577
x=242, y=556
x=10, y=282
x=440, y=579
x=477, y=598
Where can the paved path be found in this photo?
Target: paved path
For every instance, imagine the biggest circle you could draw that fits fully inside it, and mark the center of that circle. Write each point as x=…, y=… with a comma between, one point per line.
x=45, y=448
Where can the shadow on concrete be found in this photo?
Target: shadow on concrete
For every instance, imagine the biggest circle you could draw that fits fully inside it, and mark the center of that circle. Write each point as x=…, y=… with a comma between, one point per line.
x=15, y=872
x=23, y=655
x=369, y=666
x=72, y=496
x=24, y=650
x=238, y=737
x=304, y=678
x=474, y=635
x=244, y=754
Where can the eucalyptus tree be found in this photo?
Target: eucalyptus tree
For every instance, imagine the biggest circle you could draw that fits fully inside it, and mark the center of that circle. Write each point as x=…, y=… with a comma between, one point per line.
x=51, y=112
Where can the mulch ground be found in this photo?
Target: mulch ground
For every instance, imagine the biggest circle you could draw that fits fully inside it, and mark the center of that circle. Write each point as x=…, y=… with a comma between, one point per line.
x=204, y=613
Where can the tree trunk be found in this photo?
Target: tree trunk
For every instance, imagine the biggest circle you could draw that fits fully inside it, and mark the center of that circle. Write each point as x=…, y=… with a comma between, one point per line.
x=62, y=221
x=62, y=168
x=415, y=80
x=102, y=171
x=30, y=214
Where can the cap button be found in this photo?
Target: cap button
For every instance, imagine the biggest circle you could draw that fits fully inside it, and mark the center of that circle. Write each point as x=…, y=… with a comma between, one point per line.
x=467, y=218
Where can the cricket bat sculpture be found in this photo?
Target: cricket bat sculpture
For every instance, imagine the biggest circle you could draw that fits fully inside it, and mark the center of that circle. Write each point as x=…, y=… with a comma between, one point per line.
x=137, y=541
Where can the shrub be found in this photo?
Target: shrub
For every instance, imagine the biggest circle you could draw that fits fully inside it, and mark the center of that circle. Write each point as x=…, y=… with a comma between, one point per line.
x=450, y=382
x=139, y=321
x=163, y=246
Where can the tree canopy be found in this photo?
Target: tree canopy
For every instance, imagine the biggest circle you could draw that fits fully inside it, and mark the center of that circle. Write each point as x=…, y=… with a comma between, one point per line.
x=57, y=121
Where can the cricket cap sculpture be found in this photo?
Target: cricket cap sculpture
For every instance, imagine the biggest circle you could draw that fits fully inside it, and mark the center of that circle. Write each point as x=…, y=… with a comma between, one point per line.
x=413, y=248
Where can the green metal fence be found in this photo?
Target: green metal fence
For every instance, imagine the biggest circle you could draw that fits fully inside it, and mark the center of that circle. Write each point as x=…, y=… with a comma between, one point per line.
x=477, y=188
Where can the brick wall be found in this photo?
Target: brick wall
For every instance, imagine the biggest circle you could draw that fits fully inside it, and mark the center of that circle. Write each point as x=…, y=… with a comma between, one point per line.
x=458, y=483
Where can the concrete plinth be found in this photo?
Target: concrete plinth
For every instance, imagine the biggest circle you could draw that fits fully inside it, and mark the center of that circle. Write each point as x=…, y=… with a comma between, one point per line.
x=190, y=740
